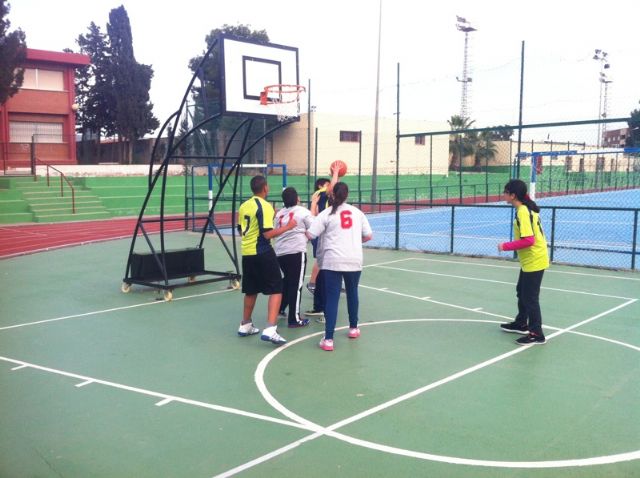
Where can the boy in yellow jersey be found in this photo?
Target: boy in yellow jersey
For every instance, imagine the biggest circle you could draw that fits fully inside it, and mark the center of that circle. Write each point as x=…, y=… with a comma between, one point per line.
x=260, y=269
x=531, y=247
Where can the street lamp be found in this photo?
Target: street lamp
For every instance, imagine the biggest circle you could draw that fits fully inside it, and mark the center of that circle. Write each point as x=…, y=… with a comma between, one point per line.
x=601, y=56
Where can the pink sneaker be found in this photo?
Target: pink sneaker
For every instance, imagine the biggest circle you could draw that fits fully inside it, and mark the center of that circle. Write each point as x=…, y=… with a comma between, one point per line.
x=354, y=333
x=326, y=345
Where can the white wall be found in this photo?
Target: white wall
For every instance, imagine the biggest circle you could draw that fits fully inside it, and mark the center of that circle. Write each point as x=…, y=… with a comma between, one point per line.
x=290, y=145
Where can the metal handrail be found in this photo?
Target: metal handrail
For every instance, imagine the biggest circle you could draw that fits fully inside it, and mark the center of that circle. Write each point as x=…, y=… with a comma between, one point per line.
x=62, y=177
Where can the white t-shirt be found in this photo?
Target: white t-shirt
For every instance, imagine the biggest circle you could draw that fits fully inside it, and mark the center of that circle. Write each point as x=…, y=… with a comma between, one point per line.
x=341, y=246
x=294, y=240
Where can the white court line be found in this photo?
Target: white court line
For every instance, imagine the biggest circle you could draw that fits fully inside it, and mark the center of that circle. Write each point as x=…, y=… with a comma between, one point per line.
x=104, y=311
x=165, y=397
x=373, y=265
x=330, y=430
x=502, y=282
x=18, y=367
x=548, y=271
x=427, y=299
x=591, y=319
x=385, y=263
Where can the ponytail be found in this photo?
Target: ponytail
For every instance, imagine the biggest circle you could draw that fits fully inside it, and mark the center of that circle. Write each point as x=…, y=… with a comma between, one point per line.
x=530, y=203
x=519, y=188
x=340, y=194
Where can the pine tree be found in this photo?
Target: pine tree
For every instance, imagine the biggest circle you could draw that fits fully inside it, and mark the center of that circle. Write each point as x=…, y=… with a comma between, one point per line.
x=13, y=51
x=94, y=87
x=131, y=83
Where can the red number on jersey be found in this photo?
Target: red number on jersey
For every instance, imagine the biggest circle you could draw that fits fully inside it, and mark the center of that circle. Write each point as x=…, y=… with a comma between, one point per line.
x=282, y=217
x=345, y=220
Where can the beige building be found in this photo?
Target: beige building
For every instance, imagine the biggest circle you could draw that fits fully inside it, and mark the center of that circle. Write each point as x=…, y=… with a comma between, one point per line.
x=587, y=158
x=340, y=137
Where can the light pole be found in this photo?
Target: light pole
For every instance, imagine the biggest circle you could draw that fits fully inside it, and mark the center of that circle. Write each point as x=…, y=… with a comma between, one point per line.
x=605, y=101
x=601, y=56
x=374, y=169
x=464, y=26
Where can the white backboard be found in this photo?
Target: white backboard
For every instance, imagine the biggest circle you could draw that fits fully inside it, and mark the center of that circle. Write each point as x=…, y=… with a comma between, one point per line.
x=248, y=67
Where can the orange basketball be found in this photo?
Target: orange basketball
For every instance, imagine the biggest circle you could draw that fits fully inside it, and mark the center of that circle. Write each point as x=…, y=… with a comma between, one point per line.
x=341, y=165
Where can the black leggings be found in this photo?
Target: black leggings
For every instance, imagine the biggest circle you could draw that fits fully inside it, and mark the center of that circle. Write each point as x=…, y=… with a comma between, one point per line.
x=293, y=267
x=528, y=292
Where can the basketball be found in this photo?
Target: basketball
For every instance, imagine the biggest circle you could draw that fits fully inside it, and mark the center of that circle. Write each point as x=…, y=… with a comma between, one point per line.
x=339, y=164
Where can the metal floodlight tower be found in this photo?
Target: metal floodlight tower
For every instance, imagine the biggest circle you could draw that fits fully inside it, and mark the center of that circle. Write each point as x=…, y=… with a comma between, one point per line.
x=601, y=56
x=605, y=101
x=464, y=26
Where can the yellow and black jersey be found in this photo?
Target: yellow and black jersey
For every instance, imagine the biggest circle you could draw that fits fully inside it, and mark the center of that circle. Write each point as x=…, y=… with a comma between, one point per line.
x=323, y=199
x=255, y=217
x=526, y=224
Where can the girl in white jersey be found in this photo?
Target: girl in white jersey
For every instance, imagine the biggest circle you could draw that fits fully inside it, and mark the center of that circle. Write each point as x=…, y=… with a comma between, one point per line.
x=291, y=250
x=344, y=228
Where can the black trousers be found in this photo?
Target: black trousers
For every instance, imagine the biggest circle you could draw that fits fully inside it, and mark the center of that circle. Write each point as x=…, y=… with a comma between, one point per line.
x=293, y=267
x=528, y=292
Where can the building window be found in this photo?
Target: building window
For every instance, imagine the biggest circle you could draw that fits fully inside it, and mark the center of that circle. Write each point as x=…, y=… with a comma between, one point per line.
x=24, y=132
x=350, y=136
x=420, y=140
x=38, y=79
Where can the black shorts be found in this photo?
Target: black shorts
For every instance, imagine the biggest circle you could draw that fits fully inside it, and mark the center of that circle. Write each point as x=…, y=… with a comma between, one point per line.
x=261, y=274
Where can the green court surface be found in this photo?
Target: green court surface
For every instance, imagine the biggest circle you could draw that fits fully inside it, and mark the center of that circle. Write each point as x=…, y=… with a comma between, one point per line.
x=95, y=382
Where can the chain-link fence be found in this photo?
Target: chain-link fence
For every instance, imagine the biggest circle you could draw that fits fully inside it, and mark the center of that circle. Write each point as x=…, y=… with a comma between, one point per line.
x=589, y=195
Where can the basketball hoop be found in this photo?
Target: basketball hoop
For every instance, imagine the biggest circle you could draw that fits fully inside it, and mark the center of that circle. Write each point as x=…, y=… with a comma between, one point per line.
x=284, y=98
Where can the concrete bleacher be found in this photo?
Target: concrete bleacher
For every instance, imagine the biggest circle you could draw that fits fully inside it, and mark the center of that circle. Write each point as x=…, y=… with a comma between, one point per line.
x=101, y=191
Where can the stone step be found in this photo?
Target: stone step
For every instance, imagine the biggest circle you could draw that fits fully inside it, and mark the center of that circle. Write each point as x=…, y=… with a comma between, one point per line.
x=87, y=200
x=13, y=205
x=79, y=216
x=15, y=217
x=38, y=211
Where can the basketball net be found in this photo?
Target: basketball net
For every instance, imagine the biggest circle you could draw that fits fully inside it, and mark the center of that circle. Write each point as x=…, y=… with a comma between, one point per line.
x=285, y=100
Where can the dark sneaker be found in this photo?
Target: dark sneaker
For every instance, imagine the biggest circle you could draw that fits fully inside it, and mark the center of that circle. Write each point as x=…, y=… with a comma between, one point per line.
x=300, y=323
x=311, y=288
x=314, y=312
x=515, y=328
x=531, y=339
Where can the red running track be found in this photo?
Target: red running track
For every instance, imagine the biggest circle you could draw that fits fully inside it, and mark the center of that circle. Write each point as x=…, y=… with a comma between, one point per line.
x=16, y=240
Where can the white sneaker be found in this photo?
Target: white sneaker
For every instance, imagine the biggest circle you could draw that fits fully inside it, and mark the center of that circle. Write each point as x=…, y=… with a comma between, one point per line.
x=275, y=338
x=247, y=329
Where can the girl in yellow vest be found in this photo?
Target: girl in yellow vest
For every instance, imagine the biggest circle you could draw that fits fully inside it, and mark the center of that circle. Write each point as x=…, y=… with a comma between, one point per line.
x=531, y=247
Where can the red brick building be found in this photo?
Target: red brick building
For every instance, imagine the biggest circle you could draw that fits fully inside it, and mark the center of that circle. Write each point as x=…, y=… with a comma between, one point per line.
x=615, y=138
x=42, y=111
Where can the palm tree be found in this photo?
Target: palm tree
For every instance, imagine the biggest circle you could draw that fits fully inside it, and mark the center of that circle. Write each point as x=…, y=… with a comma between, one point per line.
x=462, y=144
x=486, y=149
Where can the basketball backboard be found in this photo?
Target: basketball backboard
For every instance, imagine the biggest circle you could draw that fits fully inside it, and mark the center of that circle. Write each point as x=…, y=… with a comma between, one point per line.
x=247, y=68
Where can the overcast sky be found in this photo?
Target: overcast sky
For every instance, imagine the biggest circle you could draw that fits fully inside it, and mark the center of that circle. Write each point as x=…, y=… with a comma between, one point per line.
x=337, y=41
